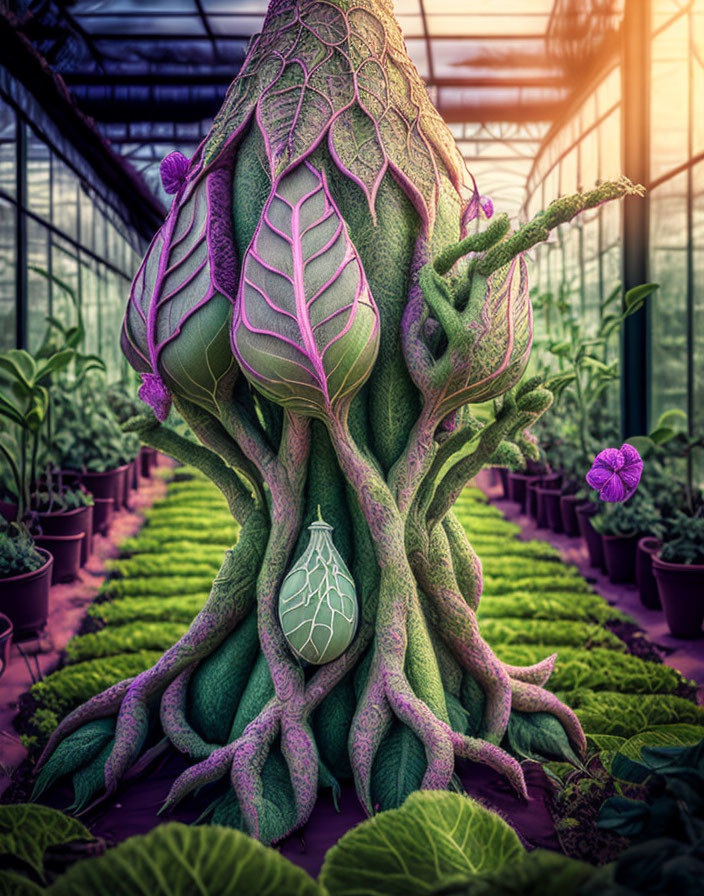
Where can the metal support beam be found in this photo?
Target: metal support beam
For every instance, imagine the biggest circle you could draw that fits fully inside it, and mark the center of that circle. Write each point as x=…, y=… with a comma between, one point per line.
x=635, y=75
x=21, y=235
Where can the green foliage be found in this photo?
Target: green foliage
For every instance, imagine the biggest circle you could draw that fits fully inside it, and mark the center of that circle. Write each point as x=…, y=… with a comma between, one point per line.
x=74, y=751
x=637, y=516
x=162, y=565
x=166, y=586
x=677, y=735
x=331, y=724
x=148, y=609
x=506, y=584
x=120, y=639
x=537, y=873
x=553, y=605
x=539, y=736
x=178, y=860
x=18, y=555
x=607, y=712
x=597, y=669
x=27, y=831
x=219, y=682
x=432, y=838
x=204, y=550
x=684, y=540
x=398, y=768
x=542, y=631
x=66, y=688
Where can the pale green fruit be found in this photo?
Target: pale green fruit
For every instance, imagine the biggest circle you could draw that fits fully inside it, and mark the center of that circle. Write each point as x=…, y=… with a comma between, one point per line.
x=318, y=607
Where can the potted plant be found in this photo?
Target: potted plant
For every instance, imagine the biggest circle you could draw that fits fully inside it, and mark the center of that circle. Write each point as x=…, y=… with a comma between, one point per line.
x=6, y=631
x=679, y=571
x=64, y=520
x=25, y=575
x=90, y=447
x=621, y=526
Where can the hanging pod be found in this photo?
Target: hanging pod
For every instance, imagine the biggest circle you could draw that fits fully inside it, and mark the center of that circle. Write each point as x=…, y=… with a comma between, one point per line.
x=318, y=600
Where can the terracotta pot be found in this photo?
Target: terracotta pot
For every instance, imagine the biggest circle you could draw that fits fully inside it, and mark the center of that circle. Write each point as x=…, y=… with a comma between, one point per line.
x=568, y=509
x=517, y=488
x=102, y=514
x=6, y=632
x=532, y=496
x=681, y=589
x=70, y=522
x=106, y=484
x=66, y=551
x=645, y=578
x=549, y=507
x=620, y=557
x=503, y=477
x=591, y=537
x=24, y=599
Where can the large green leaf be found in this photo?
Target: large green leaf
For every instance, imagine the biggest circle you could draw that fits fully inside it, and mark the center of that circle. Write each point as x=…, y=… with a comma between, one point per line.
x=178, y=860
x=539, y=736
x=435, y=836
x=537, y=873
x=27, y=831
x=74, y=751
x=662, y=736
x=398, y=769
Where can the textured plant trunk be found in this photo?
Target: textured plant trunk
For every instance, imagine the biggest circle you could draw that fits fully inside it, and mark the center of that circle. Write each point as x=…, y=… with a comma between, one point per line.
x=345, y=395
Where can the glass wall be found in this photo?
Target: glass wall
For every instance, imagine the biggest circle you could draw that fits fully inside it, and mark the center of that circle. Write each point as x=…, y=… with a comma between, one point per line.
x=676, y=213
x=585, y=257
x=57, y=223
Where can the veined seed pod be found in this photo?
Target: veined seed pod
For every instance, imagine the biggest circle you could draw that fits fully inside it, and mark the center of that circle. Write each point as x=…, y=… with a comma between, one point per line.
x=318, y=600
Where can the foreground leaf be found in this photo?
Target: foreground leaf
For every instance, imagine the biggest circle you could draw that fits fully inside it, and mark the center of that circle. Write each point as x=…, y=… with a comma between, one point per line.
x=178, y=860
x=435, y=836
x=27, y=831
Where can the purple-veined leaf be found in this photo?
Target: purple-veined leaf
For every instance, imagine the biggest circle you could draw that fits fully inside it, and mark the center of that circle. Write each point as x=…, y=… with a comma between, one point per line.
x=306, y=328
x=178, y=316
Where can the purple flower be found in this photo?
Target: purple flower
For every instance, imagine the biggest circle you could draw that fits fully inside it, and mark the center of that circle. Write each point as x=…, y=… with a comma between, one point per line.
x=173, y=170
x=616, y=473
x=154, y=393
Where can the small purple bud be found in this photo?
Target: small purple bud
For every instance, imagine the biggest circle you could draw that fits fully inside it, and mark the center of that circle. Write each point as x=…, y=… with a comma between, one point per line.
x=173, y=170
x=154, y=393
x=487, y=206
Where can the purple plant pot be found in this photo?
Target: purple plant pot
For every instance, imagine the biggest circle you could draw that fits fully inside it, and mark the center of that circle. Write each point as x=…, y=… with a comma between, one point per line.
x=6, y=632
x=123, y=487
x=147, y=460
x=620, y=557
x=8, y=511
x=681, y=589
x=532, y=496
x=503, y=477
x=71, y=522
x=102, y=514
x=552, y=480
x=517, y=488
x=24, y=599
x=591, y=537
x=106, y=484
x=648, y=546
x=568, y=509
x=549, y=507
x=134, y=474
x=66, y=551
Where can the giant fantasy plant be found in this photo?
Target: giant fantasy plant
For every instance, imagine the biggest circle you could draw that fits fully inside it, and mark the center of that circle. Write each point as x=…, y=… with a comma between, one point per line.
x=317, y=311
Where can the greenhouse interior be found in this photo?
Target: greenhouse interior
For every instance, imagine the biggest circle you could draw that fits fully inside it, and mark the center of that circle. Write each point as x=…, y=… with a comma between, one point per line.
x=395, y=583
